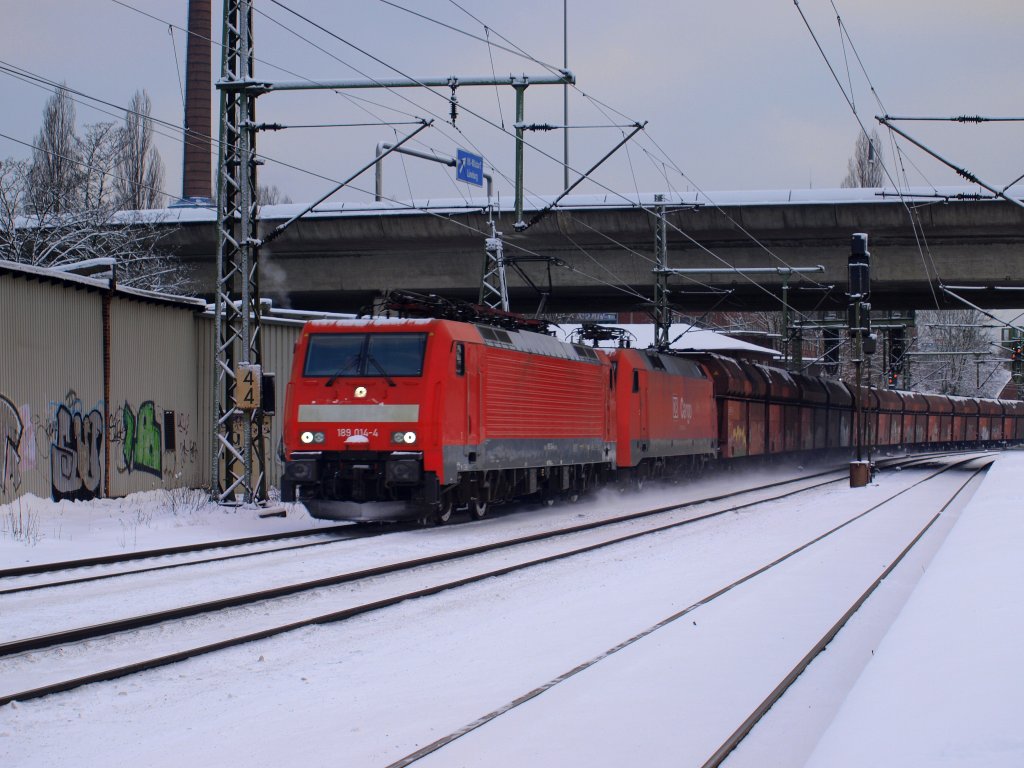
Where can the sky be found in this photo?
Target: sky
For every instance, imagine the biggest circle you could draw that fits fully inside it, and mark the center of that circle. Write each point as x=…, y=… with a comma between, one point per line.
x=736, y=94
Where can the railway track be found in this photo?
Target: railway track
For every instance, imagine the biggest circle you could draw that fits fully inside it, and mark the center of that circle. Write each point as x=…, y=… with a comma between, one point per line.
x=63, y=573
x=99, y=642
x=451, y=749
x=58, y=574
x=762, y=708
x=330, y=535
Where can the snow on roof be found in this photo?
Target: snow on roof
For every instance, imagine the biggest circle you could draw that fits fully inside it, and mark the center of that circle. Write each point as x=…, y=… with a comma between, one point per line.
x=354, y=322
x=724, y=198
x=98, y=284
x=685, y=338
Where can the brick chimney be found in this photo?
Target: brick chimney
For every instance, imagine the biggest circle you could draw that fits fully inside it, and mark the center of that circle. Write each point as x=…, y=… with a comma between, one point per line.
x=196, y=178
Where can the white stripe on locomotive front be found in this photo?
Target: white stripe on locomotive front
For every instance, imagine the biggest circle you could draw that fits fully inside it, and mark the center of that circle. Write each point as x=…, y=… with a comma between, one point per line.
x=359, y=413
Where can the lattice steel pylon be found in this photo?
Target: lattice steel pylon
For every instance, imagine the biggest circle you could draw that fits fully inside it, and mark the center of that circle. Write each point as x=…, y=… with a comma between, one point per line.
x=662, y=308
x=238, y=455
x=494, y=285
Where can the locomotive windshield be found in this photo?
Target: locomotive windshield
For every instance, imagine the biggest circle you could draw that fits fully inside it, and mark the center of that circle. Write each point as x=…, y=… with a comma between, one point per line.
x=338, y=355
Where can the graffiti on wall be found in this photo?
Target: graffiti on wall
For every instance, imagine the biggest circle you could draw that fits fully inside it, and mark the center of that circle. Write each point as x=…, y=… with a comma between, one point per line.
x=11, y=431
x=143, y=446
x=154, y=440
x=27, y=450
x=184, y=444
x=76, y=455
x=62, y=446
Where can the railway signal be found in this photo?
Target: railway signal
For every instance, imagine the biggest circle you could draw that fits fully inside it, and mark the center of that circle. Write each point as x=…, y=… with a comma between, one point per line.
x=859, y=316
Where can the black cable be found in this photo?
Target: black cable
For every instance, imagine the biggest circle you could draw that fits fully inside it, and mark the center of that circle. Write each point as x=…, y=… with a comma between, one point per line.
x=514, y=51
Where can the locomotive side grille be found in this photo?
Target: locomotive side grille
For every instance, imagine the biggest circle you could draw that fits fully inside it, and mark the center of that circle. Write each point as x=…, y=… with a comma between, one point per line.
x=540, y=396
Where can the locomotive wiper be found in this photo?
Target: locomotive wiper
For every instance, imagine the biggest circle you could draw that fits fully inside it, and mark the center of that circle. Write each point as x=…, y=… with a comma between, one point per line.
x=373, y=361
x=352, y=362
x=356, y=364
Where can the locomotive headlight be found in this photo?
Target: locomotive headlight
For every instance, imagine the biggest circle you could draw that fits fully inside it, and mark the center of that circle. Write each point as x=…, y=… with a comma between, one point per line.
x=360, y=392
x=403, y=437
x=409, y=437
x=319, y=437
x=306, y=437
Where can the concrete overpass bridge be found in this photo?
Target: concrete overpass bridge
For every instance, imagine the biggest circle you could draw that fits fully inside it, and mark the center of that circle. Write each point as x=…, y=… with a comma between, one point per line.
x=345, y=255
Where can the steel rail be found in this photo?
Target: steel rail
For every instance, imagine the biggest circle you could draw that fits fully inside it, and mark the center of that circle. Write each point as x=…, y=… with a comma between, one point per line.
x=76, y=635
x=434, y=746
x=79, y=634
x=66, y=565
x=187, y=549
x=761, y=710
x=184, y=564
x=194, y=548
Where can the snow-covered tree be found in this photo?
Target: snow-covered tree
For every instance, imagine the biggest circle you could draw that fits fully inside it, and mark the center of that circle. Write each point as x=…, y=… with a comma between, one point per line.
x=963, y=359
x=71, y=201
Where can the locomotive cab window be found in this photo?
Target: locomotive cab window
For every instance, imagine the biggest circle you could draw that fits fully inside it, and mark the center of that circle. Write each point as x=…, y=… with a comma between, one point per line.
x=342, y=355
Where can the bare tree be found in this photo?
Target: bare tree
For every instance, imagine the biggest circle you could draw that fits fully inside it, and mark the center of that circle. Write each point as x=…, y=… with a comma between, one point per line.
x=99, y=150
x=140, y=171
x=272, y=195
x=14, y=194
x=55, y=178
x=865, y=167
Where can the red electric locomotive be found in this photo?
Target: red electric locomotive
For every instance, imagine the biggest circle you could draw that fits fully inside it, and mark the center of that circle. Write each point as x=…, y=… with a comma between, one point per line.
x=393, y=419
x=665, y=408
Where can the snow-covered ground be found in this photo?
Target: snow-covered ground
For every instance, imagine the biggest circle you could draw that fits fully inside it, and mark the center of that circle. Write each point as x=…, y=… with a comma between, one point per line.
x=943, y=688
x=35, y=530
x=946, y=685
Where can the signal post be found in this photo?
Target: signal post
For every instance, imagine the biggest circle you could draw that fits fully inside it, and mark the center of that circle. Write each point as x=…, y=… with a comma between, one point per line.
x=859, y=317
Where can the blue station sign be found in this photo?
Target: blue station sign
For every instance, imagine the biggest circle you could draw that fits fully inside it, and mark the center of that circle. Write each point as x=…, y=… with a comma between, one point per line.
x=469, y=168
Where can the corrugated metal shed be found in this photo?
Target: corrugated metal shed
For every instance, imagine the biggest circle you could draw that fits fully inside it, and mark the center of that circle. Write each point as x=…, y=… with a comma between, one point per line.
x=107, y=391
x=154, y=419
x=51, y=388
